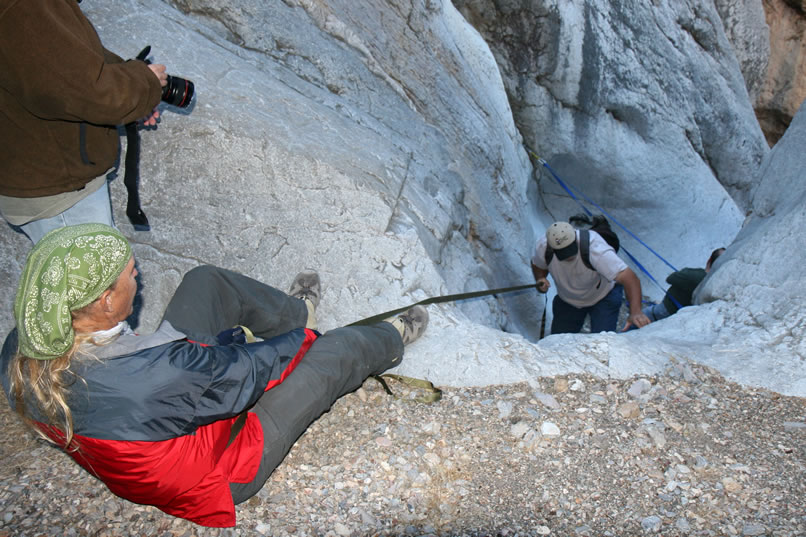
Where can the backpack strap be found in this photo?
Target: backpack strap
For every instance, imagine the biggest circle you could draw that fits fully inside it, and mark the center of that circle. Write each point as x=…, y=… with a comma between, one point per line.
x=549, y=254
x=585, y=247
x=432, y=395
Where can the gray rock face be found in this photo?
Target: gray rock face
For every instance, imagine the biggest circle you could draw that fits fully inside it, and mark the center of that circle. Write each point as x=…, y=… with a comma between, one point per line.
x=762, y=275
x=382, y=123
x=640, y=105
x=747, y=30
x=785, y=85
x=767, y=38
x=404, y=100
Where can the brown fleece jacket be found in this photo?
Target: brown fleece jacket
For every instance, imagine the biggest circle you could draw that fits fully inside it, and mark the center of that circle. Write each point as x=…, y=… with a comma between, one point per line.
x=61, y=95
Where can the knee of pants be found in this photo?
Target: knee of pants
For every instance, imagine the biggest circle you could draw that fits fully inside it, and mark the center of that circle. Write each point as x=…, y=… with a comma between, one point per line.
x=200, y=274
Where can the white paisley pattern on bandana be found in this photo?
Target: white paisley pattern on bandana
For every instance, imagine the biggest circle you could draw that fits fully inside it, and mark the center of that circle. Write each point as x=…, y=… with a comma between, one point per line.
x=66, y=270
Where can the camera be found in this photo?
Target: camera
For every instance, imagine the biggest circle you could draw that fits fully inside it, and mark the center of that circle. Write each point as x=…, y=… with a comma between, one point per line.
x=178, y=91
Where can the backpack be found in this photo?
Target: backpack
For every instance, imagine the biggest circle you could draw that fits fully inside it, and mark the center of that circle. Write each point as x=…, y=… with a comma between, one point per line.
x=600, y=225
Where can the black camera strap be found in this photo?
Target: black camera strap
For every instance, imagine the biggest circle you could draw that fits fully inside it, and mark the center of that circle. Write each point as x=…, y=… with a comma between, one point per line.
x=131, y=179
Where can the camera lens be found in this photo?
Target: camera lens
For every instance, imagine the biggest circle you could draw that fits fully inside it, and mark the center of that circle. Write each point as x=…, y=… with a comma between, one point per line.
x=178, y=91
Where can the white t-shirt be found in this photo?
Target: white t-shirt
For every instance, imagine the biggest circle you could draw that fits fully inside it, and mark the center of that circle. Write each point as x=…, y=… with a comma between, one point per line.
x=576, y=283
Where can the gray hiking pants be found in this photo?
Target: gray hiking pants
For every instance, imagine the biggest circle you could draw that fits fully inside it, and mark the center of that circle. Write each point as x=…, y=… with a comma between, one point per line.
x=210, y=300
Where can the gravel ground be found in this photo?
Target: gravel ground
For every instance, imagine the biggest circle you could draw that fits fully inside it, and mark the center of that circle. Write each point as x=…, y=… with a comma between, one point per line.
x=687, y=453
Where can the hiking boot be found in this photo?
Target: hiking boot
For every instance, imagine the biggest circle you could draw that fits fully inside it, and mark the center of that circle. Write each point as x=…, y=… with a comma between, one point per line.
x=412, y=323
x=307, y=285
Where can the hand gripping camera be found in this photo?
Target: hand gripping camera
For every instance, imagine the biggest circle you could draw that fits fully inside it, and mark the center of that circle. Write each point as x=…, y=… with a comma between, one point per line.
x=178, y=91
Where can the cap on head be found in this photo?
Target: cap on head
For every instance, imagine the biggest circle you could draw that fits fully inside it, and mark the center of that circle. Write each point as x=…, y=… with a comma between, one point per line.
x=65, y=271
x=561, y=237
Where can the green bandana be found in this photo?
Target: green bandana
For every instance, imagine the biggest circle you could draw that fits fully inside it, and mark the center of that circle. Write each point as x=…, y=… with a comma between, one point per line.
x=66, y=270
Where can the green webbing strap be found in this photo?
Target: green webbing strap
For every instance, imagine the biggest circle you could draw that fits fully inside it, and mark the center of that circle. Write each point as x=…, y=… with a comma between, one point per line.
x=439, y=299
x=435, y=394
x=247, y=334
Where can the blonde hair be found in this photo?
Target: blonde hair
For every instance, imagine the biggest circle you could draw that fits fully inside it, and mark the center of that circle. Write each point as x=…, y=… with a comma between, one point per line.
x=48, y=382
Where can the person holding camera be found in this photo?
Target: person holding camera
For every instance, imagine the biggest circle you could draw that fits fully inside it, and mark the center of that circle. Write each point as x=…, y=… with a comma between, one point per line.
x=61, y=96
x=194, y=417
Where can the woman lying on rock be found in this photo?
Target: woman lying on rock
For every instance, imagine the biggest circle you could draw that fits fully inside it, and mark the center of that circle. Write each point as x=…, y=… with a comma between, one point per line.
x=156, y=417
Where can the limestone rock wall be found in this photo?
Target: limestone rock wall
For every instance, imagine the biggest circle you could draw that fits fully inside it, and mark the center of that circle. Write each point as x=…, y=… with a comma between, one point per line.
x=784, y=88
x=429, y=128
x=769, y=39
x=747, y=30
x=759, y=287
x=370, y=140
x=306, y=109
x=642, y=106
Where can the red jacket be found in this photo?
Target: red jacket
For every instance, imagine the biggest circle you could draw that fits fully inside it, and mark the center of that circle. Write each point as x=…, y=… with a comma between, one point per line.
x=158, y=421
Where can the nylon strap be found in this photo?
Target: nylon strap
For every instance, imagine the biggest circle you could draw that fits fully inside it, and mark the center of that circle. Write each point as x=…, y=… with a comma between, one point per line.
x=131, y=179
x=247, y=334
x=438, y=300
x=434, y=394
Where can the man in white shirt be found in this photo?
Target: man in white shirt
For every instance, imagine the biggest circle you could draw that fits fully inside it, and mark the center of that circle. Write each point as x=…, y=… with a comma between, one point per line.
x=582, y=291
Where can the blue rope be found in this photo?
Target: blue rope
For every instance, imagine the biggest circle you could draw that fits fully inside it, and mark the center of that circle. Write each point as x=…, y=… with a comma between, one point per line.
x=632, y=257
x=560, y=181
